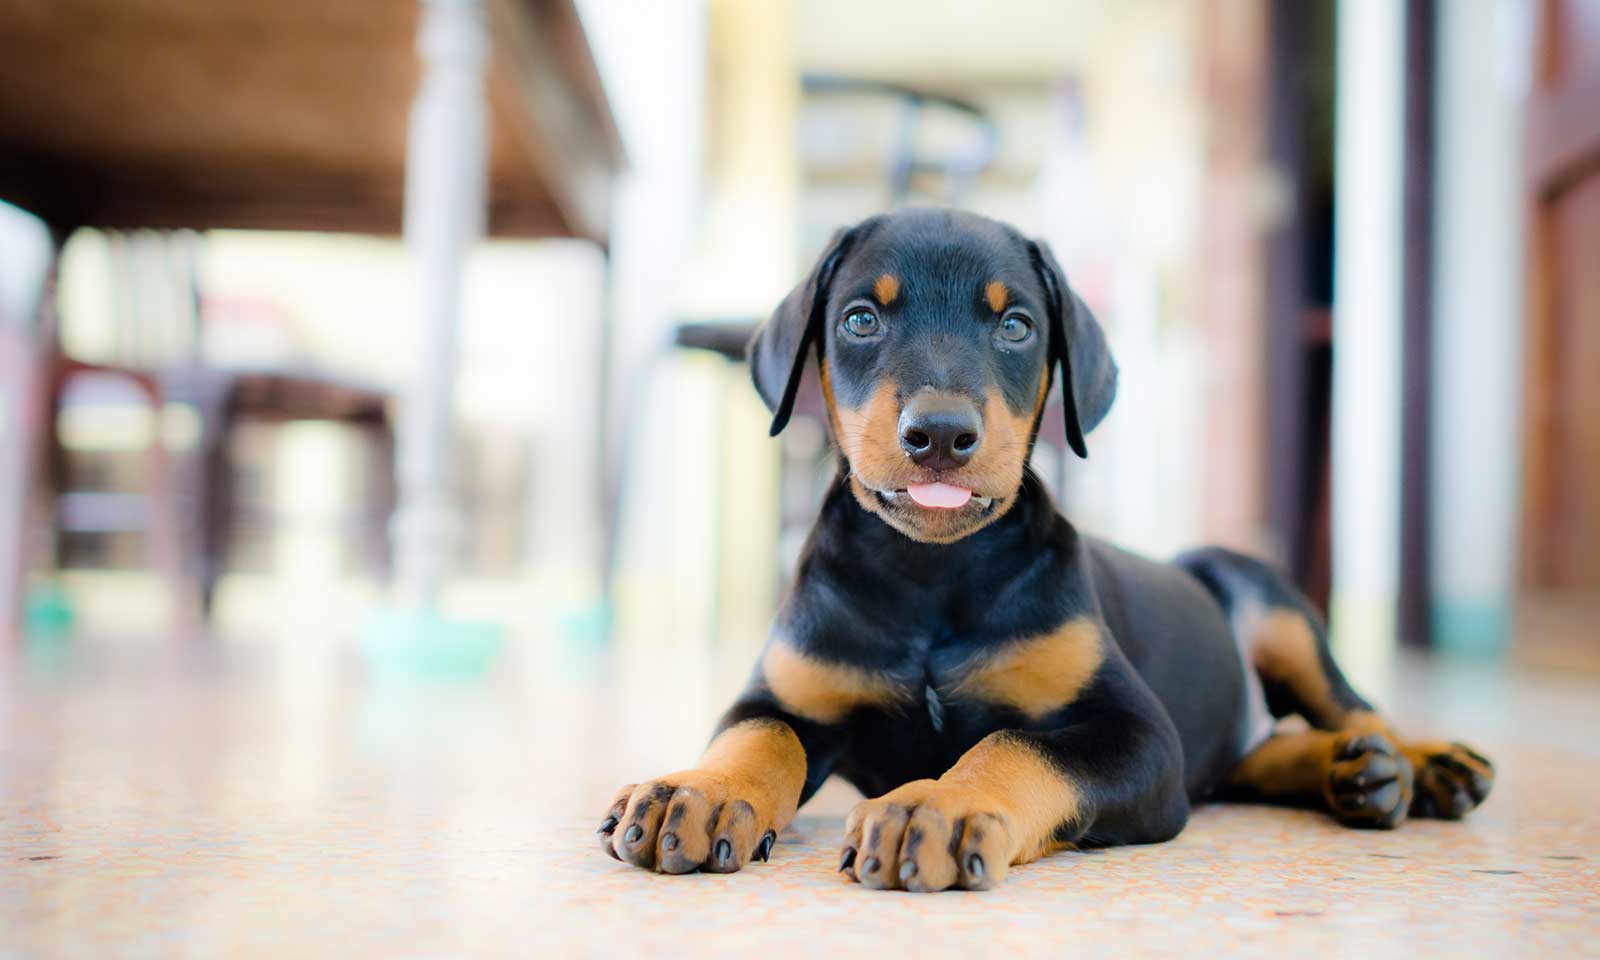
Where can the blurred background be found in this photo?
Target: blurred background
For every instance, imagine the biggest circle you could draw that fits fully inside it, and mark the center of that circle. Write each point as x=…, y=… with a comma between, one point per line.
x=331, y=320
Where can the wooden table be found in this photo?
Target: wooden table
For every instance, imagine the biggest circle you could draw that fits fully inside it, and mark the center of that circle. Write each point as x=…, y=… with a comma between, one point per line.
x=289, y=114
x=450, y=118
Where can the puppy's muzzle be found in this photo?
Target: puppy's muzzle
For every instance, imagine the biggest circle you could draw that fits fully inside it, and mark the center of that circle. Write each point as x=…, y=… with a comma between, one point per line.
x=940, y=431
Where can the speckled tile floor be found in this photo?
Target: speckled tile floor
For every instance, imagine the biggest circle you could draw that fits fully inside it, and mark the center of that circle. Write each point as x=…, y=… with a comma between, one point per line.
x=265, y=798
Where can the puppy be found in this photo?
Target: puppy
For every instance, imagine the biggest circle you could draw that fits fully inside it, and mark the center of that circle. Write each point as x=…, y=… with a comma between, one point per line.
x=1001, y=686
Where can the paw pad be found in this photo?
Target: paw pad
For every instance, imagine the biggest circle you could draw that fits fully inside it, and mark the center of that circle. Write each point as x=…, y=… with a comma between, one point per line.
x=1451, y=782
x=1369, y=783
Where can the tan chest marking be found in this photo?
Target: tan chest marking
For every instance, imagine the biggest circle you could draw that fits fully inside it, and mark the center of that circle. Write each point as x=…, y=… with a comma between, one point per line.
x=1039, y=675
x=823, y=690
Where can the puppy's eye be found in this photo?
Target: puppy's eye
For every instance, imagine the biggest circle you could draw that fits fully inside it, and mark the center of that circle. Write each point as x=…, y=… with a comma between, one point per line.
x=1016, y=329
x=861, y=323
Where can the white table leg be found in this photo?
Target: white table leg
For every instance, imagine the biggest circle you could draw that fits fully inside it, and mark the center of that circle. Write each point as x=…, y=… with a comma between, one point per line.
x=446, y=171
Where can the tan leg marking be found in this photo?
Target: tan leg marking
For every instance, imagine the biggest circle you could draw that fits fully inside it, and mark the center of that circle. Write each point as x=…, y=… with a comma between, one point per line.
x=1284, y=650
x=820, y=690
x=1452, y=778
x=998, y=806
x=717, y=815
x=1288, y=766
x=1358, y=774
x=1040, y=675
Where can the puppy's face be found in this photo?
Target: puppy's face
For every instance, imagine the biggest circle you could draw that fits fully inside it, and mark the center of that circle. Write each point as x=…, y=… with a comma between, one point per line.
x=935, y=371
x=937, y=333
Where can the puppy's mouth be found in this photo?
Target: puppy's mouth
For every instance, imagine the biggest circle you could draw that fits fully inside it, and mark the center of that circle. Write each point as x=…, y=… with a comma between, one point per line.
x=943, y=497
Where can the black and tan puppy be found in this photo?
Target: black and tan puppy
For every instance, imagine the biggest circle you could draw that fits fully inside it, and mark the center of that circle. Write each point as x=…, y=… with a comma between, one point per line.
x=1001, y=685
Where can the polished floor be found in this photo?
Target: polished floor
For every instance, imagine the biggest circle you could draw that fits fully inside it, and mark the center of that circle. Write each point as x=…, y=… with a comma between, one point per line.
x=264, y=795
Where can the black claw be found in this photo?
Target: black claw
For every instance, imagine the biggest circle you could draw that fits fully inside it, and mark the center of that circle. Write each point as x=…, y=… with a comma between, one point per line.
x=1369, y=743
x=724, y=852
x=669, y=842
x=1379, y=769
x=975, y=867
x=764, y=850
x=1479, y=788
x=848, y=860
x=907, y=871
x=607, y=825
x=633, y=834
x=870, y=865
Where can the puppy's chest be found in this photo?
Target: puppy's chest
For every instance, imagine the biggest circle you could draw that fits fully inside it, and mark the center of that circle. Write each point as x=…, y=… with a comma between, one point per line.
x=939, y=681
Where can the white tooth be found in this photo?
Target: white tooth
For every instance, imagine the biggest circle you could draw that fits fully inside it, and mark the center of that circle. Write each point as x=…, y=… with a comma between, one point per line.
x=983, y=502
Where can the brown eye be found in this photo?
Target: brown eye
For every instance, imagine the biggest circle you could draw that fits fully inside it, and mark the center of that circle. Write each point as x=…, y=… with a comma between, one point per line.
x=861, y=323
x=1016, y=329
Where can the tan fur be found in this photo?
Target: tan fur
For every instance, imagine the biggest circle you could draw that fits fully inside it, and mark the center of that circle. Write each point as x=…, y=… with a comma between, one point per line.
x=1420, y=754
x=1365, y=721
x=758, y=761
x=1002, y=802
x=870, y=436
x=869, y=439
x=1006, y=775
x=997, y=295
x=1288, y=765
x=1042, y=674
x=886, y=289
x=825, y=374
x=1039, y=401
x=819, y=690
x=1284, y=650
x=766, y=759
x=747, y=782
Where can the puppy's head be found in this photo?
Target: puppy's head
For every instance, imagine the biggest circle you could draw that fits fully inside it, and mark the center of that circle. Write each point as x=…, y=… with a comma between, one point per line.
x=938, y=334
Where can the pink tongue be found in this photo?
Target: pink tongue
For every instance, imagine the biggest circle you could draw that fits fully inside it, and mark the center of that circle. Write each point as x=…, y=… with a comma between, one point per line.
x=940, y=495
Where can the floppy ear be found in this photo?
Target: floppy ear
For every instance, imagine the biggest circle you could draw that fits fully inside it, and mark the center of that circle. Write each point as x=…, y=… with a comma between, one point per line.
x=1088, y=374
x=779, y=349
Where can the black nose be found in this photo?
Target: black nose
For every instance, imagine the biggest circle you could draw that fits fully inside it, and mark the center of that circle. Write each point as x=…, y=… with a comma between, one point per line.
x=940, y=431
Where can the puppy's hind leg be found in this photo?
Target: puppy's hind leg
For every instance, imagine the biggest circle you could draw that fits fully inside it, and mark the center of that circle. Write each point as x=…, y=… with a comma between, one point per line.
x=1353, y=761
x=1359, y=778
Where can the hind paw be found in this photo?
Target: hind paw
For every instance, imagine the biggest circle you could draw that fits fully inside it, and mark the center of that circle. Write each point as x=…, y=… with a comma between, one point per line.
x=1369, y=782
x=1451, y=779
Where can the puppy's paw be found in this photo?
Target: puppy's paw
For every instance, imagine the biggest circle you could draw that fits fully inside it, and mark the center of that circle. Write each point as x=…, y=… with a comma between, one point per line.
x=1369, y=782
x=694, y=820
x=924, y=837
x=1452, y=779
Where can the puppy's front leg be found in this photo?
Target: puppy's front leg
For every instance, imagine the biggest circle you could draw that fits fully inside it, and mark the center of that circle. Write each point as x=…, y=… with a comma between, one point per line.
x=1116, y=777
x=717, y=815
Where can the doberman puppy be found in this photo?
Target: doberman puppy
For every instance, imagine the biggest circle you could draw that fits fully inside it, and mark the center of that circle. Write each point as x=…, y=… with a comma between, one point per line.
x=1003, y=686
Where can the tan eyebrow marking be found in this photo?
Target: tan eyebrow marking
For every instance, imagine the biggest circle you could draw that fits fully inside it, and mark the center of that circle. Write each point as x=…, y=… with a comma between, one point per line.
x=886, y=289
x=997, y=295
